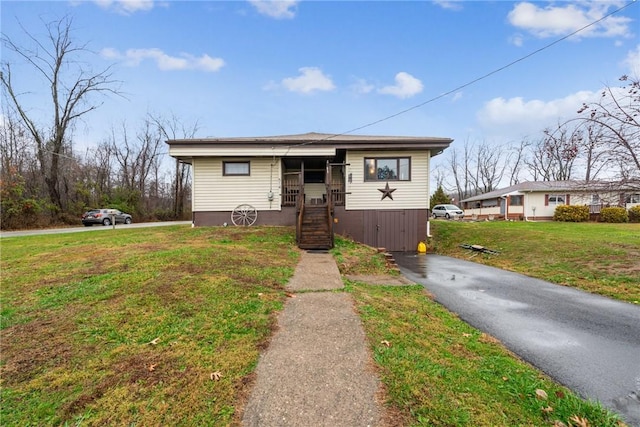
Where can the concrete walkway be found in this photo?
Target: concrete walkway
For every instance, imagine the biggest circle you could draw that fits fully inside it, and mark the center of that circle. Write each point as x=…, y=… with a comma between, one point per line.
x=317, y=370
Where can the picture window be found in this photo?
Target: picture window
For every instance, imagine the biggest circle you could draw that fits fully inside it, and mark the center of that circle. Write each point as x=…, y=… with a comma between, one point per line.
x=387, y=169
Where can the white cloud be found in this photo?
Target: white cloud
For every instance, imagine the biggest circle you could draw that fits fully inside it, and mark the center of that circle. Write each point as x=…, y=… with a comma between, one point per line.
x=551, y=21
x=361, y=87
x=133, y=57
x=279, y=9
x=406, y=86
x=516, y=40
x=311, y=79
x=632, y=62
x=519, y=117
x=449, y=4
x=126, y=7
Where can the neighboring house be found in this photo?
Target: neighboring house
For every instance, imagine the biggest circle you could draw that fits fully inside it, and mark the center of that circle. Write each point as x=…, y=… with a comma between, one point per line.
x=374, y=189
x=538, y=199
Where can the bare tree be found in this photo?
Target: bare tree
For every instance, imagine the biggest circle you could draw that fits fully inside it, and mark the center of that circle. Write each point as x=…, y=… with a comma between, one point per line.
x=515, y=159
x=174, y=128
x=596, y=158
x=489, y=167
x=554, y=155
x=479, y=170
x=458, y=174
x=71, y=84
x=138, y=161
x=618, y=113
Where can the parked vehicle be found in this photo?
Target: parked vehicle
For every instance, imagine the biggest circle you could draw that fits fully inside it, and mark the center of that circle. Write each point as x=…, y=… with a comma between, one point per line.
x=447, y=211
x=105, y=217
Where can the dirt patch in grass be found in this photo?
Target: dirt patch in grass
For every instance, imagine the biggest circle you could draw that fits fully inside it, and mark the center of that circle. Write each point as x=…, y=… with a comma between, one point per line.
x=148, y=368
x=30, y=348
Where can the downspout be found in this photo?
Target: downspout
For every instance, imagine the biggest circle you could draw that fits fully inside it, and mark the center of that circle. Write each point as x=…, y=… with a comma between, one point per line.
x=506, y=207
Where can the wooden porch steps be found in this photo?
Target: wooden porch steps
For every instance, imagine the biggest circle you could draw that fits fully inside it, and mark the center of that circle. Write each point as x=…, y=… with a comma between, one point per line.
x=315, y=232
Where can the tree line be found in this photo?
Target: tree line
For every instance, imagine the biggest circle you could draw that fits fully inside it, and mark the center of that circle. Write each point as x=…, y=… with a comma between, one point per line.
x=602, y=142
x=45, y=179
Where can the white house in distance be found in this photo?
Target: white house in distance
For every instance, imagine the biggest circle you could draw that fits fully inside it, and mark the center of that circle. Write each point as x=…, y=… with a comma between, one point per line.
x=537, y=200
x=374, y=189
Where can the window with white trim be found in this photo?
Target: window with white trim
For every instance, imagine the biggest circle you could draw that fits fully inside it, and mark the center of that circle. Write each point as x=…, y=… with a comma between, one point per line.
x=236, y=168
x=387, y=169
x=556, y=199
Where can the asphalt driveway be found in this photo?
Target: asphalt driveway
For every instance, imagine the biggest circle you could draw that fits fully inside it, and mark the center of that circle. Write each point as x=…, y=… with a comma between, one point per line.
x=589, y=343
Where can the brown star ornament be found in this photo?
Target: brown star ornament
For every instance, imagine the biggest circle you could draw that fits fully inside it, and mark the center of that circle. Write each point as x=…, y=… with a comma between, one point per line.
x=386, y=192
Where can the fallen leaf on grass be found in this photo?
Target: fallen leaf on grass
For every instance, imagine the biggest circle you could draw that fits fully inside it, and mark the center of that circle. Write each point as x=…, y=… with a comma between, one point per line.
x=215, y=376
x=154, y=341
x=466, y=335
x=560, y=394
x=290, y=295
x=558, y=423
x=505, y=379
x=386, y=343
x=579, y=421
x=152, y=367
x=541, y=394
x=547, y=410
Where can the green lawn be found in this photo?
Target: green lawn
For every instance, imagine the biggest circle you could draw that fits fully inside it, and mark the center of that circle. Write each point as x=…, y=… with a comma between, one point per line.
x=164, y=326
x=597, y=257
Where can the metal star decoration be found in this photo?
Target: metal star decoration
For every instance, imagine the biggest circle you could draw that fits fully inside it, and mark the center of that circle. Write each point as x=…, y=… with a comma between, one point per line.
x=386, y=192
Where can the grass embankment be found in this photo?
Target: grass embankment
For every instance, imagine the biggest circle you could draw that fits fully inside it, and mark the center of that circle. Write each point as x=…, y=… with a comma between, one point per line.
x=597, y=257
x=163, y=326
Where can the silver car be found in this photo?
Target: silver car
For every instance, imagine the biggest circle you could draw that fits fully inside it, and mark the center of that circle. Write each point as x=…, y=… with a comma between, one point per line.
x=447, y=211
x=105, y=217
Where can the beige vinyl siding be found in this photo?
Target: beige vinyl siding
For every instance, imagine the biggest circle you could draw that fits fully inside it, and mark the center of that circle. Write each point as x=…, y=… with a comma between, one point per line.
x=536, y=200
x=413, y=194
x=214, y=192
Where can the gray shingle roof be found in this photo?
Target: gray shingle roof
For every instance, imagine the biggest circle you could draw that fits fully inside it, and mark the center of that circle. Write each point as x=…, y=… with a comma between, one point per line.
x=549, y=186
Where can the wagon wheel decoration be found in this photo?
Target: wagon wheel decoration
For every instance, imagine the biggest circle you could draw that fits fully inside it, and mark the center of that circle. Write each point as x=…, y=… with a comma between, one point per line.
x=244, y=215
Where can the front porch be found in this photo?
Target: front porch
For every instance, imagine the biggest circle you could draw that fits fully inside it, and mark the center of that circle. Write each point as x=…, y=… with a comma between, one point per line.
x=314, y=187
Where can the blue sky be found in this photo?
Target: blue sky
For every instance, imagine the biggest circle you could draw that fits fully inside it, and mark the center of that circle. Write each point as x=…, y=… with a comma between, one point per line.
x=255, y=68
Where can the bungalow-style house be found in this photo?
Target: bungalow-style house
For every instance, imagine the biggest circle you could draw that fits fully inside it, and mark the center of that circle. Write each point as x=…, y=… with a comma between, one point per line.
x=374, y=189
x=537, y=200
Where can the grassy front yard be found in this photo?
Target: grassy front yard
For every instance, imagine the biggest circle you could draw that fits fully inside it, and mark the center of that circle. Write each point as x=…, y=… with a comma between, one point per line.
x=164, y=326
x=597, y=257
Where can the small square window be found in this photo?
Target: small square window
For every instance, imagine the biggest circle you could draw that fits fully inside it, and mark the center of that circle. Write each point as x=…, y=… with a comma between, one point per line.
x=235, y=168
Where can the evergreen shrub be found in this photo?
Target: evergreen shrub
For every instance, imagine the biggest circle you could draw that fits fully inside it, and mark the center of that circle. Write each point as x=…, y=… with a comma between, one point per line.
x=571, y=213
x=614, y=214
x=634, y=214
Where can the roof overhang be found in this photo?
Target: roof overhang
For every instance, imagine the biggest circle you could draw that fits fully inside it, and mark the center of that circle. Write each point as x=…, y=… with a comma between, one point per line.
x=303, y=145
